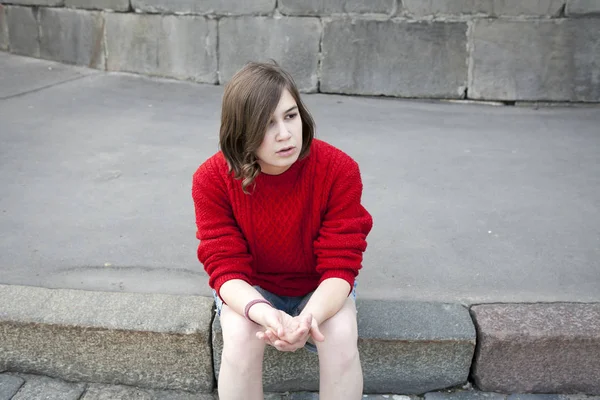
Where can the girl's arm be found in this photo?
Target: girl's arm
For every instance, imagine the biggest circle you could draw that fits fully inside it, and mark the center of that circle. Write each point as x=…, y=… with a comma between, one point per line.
x=327, y=300
x=341, y=241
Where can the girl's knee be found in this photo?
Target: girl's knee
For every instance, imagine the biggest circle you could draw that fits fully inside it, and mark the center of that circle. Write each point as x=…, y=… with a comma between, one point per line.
x=239, y=339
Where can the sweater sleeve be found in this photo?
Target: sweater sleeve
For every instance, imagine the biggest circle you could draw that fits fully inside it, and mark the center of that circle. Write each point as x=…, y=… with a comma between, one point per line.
x=223, y=250
x=341, y=240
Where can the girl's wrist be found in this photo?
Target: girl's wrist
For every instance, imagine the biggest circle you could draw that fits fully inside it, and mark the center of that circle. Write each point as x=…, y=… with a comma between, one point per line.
x=255, y=309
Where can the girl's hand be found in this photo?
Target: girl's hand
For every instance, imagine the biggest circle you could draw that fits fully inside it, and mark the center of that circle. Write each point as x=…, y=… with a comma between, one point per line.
x=284, y=332
x=296, y=332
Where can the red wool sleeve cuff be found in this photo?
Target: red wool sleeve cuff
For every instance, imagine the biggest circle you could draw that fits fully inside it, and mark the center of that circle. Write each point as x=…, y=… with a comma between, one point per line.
x=346, y=274
x=217, y=283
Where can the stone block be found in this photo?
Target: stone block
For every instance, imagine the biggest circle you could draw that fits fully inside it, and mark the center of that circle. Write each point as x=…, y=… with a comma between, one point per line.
x=115, y=5
x=146, y=340
x=118, y=392
x=182, y=47
x=9, y=385
x=424, y=8
x=23, y=30
x=554, y=60
x=582, y=7
x=538, y=348
x=465, y=395
x=3, y=28
x=395, y=58
x=324, y=7
x=206, y=7
x=404, y=348
x=292, y=42
x=72, y=36
x=42, y=387
x=47, y=3
x=282, y=371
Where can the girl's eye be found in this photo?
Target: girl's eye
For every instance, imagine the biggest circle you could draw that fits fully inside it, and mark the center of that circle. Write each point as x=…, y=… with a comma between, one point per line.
x=291, y=116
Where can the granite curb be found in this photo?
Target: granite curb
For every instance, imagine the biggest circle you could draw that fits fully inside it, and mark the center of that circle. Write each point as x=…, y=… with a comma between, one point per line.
x=173, y=343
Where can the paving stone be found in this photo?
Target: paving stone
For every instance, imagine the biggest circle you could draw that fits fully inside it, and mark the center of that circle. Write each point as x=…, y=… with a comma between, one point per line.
x=9, y=385
x=563, y=52
x=116, y=392
x=48, y=3
x=275, y=396
x=72, y=36
x=421, y=8
x=182, y=47
x=534, y=397
x=538, y=348
x=324, y=7
x=205, y=7
x=304, y=396
x=115, y=5
x=582, y=7
x=465, y=395
x=292, y=42
x=397, y=58
x=145, y=340
x=23, y=31
x=3, y=28
x=42, y=387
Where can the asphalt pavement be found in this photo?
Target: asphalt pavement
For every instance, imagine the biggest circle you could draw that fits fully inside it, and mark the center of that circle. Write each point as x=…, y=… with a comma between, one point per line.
x=472, y=203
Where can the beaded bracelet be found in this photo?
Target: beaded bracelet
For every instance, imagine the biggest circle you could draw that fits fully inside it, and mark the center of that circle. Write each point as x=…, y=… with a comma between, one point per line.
x=253, y=302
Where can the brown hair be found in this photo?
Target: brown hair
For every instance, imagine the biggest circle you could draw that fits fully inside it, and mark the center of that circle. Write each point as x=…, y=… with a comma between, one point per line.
x=249, y=101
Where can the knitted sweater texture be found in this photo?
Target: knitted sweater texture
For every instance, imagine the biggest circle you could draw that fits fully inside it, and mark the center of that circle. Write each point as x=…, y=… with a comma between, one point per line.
x=291, y=232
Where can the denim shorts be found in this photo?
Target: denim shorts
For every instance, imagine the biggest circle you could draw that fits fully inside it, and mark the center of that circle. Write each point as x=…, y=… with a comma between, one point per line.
x=292, y=305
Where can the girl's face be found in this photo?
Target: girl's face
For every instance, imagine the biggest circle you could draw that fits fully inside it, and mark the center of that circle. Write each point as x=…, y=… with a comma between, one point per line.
x=282, y=143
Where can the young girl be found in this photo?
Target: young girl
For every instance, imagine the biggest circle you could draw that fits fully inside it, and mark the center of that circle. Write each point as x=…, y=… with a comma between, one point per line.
x=282, y=234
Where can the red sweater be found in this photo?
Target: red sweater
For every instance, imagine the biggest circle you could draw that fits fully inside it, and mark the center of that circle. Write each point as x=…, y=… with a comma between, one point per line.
x=293, y=231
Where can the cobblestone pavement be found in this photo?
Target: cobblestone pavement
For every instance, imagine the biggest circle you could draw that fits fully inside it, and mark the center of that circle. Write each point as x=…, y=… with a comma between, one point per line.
x=17, y=386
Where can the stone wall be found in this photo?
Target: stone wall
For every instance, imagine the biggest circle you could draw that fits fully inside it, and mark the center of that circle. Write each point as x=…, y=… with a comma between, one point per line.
x=508, y=50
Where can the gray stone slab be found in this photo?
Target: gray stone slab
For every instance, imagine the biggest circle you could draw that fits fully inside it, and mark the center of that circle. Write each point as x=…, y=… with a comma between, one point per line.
x=303, y=396
x=538, y=348
x=210, y=7
x=528, y=396
x=150, y=341
x=466, y=395
x=4, y=41
x=563, y=52
x=23, y=30
x=72, y=36
x=582, y=7
x=183, y=47
x=413, y=348
x=42, y=387
x=114, y=5
x=116, y=392
x=397, y=58
x=9, y=385
x=23, y=74
x=325, y=7
x=420, y=8
x=404, y=348
x=292, y=42
x=47, y=3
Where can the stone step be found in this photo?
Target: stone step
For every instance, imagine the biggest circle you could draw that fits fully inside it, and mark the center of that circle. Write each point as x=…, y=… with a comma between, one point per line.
x=148, y=340
x=542, y=348
x=405, y=347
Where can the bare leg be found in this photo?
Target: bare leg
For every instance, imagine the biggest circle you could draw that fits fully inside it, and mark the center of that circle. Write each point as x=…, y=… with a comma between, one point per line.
x=240, y=376
x=339, y=362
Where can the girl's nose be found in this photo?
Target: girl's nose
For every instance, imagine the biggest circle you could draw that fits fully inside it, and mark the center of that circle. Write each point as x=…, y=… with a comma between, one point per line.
x=284, y=132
